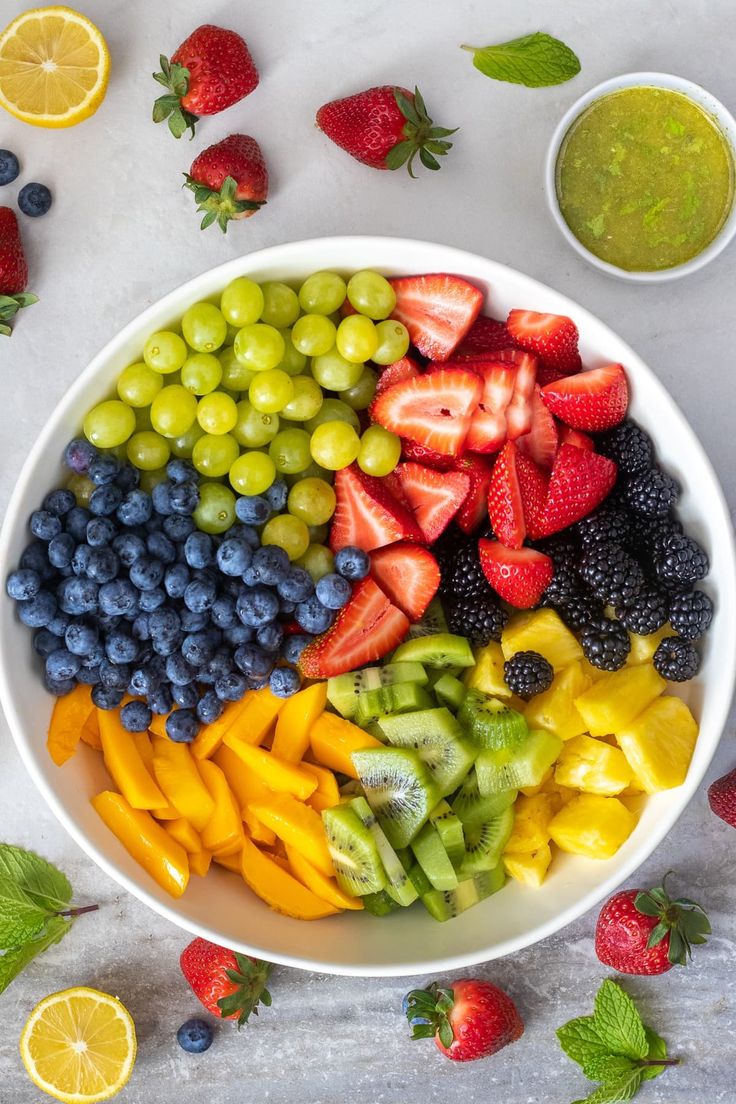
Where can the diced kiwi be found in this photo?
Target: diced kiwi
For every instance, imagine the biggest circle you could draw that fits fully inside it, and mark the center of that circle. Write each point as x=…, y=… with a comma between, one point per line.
x=450, y=829
x=398, y=884
x=438, y=738
x=484, y=843
x=490, y=723
x=449, y=691
x=401, y=697
x=440, y=650
x=434, y=674
x=354, y=852
x=419, y=879
x=516, y=768
x=444, y=905
x=399, y=789
x=433, y=858
x=433, y=621
x=380, y=904
x=343, y=690
x=471, y=806
x=351, y=788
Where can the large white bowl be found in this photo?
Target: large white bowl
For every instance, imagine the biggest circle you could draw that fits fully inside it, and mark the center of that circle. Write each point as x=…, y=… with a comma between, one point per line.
x=219, y=907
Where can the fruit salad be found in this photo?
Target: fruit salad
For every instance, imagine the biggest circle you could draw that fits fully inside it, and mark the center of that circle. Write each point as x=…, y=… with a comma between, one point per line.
x=367, y=597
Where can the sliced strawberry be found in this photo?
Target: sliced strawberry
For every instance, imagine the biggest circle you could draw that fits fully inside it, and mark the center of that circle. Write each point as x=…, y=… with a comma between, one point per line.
x=432, y=410
x=486, y=335
x=347, y=308
x=540, y=443
x=593, y=400
x=519, y=575
x=410, y=450
x=519, y=410
x=394, y=373
x=392, y=483
x=505, y=506
x=487, y=431
x=553, y=337
x=408, y=574
x=435, y=497
x=367, y=515
x=437, y=309
x=575, y=437
x=366, y=629
x=475, y=507
x=579, y=482
x=533, y=483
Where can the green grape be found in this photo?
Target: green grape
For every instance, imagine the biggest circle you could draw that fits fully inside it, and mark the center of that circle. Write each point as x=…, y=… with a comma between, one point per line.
x=235, y=376
x=230, y=335
x=151, y=479
x=289, y=451
x=183, y=445
x=393, y=342
x=280, y=304
x=312, y=471
x=165, y=352
x=213, y=456
x=292, y=362
x=312, y=500
x=173, y=411
x=371, y=294
x=318, y=534
x=201, y=373
x=287, y=532
x=334, y=445
x=217, y=413
x=81, y=487
x=313, y=334
x=253, y=429
x=259, y=347
x=242, y=302
x=333, y=372
x=305, y=401
x=215, y=511
x=322, y=293
x=360, y=396
x=270, y=391
x=317, y=560
x=252, y=473
x=142, y=418
x=138, y=385
x=148, y=450
x=333, y=410
x=380, y=451
x=356, y=338
x=203, y=327
x=109, y=424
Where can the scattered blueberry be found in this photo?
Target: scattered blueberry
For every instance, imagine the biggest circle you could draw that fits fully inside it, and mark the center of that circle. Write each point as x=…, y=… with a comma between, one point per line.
x=270, y=565
x=102, y=565
x=252, y=510
x=135, y=716
x=178, y=671
x=34, y=199
x=195, y=1036
x=176, y=580
x=117, y=597
x=161, y=498
x=75, y=522
x=333, y=591
x=183, y=498
x=253, y=661
x=231, y=686
x=209, y=707
x=182, y=726
x=160, y=700
x=186, y=696
x=9, y=167
x=146, y=573
x=312, y=616
x=36, y=557
x=61, y=550
x=284, y=682
x=200, y=595
x=177, y=527
x=59, y=689
x=62, y=664
x=128, y=547
x=135, y=509
x=121, y=648
x=352, y=563
x=105, y=500
x=223, y=613
x=151, y=600
x=257, y=606
x=294, y=645
x=114, y=676
x=270, y=636
x=237, y=634
x=78, y=595
x=44, y=643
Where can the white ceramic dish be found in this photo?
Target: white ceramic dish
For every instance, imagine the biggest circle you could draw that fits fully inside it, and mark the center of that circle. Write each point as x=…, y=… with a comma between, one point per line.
x=219, y=907
x=709, y=103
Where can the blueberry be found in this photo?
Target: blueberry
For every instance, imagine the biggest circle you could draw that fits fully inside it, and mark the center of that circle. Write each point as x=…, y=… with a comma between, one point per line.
x=23, y=584
x=90, y=676
x=296, y=586
x=160, y=700
x=44, y=643
x=186, y=696
x=231, y=687
x=271, y=565
x=270, y=636
x=135, y=716
x=257, y=606
x=200, y=595
x=182, y=726
x=284, y=682
x=352, y=563
x=114, y=676
x=121, y=648
x=253, y=661
x=233, y=557
x=246, y=533
x=61, y=550
x=35, y=556
x=102, y=565
x=184, y=498
x=178, y=671
x=81, y=559
x=177, y=527
x=220, y=664
x=333, y=591
x=195, y=1036
x=75, y=522
x=105, y=698
x=59, y=502
x=276, y=495
x=127, y=478
x=118, y=598
x=59, y=623
x=136, y=508
x=79, y=454
x=223, y=613
x=45, y=525
x=161, y=547
x=9, y=169
x=103, y=469
x=312, y=616
x=105, y=500
x=238, y=634
x=146, y=573
x=58, y=689
x=140, y=628
x=176, y=580
x=252, y=510
x=94, y=656
x=192, y=622
x=34, y=199
x=128, y=547
x=78, y=595
x=62, y=664
x=164, y=623
x=294, y=645
x=81, y=637
x=209, y=707
x=181, y=471
x=144, y=680
x=100, y=531
x=199, y=549
x=161, y=499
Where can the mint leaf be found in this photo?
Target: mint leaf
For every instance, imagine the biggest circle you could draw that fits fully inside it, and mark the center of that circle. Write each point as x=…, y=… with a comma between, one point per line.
x=12, y=962
x=622, y=1087
x=607, y=1067
x=581, y=1041
x=20, y=917
x=535, y=60
x=43, y=883
x=657, y=1049
x=618, y=1022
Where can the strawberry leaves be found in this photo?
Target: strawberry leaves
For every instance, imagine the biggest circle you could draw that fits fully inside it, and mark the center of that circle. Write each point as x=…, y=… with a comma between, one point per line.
x=682, y=919
x=250, y=977
x=420, y=136
x=535, y=60
x=427, y=1011
x=9, y=307
x=219, y=206
x=175, y=78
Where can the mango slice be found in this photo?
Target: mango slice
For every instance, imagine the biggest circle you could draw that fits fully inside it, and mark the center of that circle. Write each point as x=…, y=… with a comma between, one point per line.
x=276, y=773
x=297, y=825
x=254, y=714
x=90, y=733
x=182, y=831
x=67, y=721
x=124, y=762
x=224, y=831
x=177, y=775
x=327, y=787
x=146, y=841
x=200, y=863
x=280, y=889
x=158, y=725
x=229, y=862
x=295, y=720
x=325, y=888
x=333, y=740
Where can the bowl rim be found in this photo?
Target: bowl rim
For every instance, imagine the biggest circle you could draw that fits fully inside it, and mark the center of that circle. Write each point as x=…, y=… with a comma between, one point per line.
x=703, y=98
x=200, y=286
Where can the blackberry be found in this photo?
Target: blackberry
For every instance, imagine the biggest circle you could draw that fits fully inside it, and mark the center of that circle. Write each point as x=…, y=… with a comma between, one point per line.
x=580, y=610
x=676, y=660
x=611, y=573
x=679, y=561
x=565, y=584
x=648, y=533
x=479, y=618
x=527, y=674
x=651, y=493
x=690, y=614
x=563, y=549
x=605, y=644
x=647, y=613
x=464, y=576
x=447, y=545
x=608, y=523
x=629, y=446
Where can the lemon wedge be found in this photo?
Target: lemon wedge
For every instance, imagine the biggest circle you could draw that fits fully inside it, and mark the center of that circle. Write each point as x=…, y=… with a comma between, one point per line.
x=79, y=1046
x=54, y=66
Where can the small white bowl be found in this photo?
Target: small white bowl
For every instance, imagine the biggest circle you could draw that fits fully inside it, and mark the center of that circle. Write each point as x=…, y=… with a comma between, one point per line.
x=700, y=96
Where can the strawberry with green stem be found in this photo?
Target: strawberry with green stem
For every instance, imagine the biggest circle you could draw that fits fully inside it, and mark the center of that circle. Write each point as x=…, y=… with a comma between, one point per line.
x=229, y=985
x=470, y=1019
x=229, y=180
x=13, y=271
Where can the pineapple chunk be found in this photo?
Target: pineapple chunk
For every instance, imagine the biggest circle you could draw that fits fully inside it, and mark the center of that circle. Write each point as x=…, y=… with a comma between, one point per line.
x=564, y=793
x=659, y=744
x=592, y=826
x=541, y=631
x=593, y=767
x=487, y=675
x=530, y=870
x=644, y=647
x=531, y=823
x=555, y=708
x=530, y=791
x=593, y=673
x=615, y=700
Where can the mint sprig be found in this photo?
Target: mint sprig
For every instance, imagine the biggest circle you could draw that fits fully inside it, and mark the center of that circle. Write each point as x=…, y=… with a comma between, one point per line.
x=614, y=1047
x=35, y=909
x=535, y=60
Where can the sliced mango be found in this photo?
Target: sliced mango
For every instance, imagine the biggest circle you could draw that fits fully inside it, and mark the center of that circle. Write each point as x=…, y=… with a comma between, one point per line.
x=280, y=889
x=124, y=762
x=177, y=775
x=325, y=888
x=146, y=841
x=297, y=825
x=253, y=715
x=258, y=832
x=295, y=721
x=327, y=787
x=278, y=774
x=67, y=721
x=333, y=740
x=166, y=812
x=90, y=733
x=143, y=743
x=224, y=831
x=230, y=862
x=319, y=802
x=200, y=862
x=182, y=831
x=242, y=781
x=158, y=724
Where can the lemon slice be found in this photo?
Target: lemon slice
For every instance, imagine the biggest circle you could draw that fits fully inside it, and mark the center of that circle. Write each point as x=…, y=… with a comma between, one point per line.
x=54, y=66
x=79, y=1046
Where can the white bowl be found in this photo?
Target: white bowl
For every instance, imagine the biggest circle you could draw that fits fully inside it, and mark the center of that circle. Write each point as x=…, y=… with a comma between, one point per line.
x=709, y=103
x=220, y=907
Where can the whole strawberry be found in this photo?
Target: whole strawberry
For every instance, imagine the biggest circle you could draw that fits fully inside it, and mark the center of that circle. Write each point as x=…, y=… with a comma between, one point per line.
x=645, y=932
x=385, y=127
x=722, y=797
x=13, y=271
x=229, y=180
x=470, y=1019
x=211, y=70
x=228, y=984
